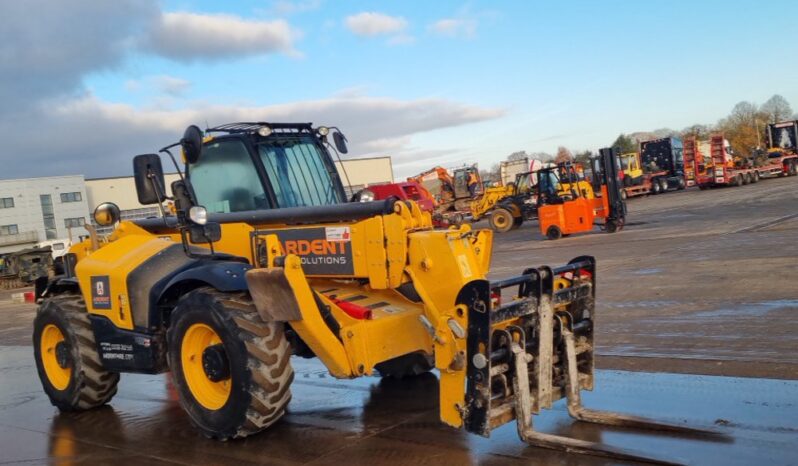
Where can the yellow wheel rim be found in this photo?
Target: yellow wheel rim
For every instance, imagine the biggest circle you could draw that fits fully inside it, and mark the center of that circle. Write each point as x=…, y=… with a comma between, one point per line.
x=57, y=375
x=211, y=395
x=501, y=220
x=561, y=283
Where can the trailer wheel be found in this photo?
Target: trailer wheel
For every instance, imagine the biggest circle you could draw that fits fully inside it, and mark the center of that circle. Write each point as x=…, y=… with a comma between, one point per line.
x=232, y=370
x=553, y=233
x=655, y=187
x=501, y=220
x=66, y=356
x=793, y=168
x=755, y=177
x=746, y=178
x=738, y=180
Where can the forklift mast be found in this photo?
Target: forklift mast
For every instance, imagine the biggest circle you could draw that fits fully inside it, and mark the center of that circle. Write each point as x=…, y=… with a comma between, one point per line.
x=605, y=168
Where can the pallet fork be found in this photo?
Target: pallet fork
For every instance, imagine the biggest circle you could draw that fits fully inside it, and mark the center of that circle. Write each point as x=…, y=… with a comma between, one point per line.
x=541, y=350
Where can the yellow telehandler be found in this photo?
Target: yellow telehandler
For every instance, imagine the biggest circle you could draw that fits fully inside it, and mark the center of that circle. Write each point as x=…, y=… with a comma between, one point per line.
x=265, y=259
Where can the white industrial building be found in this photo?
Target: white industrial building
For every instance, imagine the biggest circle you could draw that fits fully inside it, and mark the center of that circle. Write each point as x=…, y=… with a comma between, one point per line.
x=33, y=210
x=38, y=209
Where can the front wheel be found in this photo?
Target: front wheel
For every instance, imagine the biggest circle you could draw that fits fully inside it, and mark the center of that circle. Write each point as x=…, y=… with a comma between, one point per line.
x=656, y=188
x=66, y=356
x=231, y=369
x=553, y=233
x=501, y=220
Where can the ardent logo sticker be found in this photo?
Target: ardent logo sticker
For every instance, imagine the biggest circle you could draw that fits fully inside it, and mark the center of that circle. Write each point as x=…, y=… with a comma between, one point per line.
x=100, y=292
x=323, y=251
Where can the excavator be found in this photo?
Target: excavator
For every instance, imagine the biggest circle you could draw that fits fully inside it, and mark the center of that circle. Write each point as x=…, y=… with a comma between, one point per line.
x=265, y=259
x=450, y=190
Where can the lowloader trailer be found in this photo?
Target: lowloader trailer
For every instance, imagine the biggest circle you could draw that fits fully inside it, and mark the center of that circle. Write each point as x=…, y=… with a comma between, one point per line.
x=245, y=275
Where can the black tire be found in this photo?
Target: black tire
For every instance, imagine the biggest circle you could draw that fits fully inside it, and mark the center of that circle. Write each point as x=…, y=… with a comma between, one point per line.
x=501, y=220
x=257, y=355
x=738, y=180
x=663, y=185
x=682, y=184
x=408, y=365
x=611, y=226
x=793, y=168
x=746, y=178
x=624, y=196
x=755, y=177
x=517, y=222
x=554, y=233
x=656, y=188
x=90, y=384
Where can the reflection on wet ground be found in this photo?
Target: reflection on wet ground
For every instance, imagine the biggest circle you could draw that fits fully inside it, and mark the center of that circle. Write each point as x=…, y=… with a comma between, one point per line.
x=373, y=421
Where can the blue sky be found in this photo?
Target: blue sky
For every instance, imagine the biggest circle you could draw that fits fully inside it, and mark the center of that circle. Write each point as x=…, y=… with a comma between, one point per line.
x=435, y=82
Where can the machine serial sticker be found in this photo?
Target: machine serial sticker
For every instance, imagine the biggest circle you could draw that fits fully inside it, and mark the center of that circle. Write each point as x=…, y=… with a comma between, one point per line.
x=100, y=292
x=337, y=233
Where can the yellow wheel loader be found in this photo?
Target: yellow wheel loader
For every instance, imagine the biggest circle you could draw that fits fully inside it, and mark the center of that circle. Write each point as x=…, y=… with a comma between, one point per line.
x=265, y=259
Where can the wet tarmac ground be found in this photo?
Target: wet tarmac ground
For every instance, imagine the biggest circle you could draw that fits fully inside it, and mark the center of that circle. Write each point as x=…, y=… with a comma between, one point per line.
x=698, y=283
x=387, y=422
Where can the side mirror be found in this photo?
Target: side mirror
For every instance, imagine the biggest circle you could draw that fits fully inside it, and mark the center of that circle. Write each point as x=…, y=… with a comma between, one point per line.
x=340, y=142
x=211, y=232
x=107, y=214
x=148, y=174
x=192, y=143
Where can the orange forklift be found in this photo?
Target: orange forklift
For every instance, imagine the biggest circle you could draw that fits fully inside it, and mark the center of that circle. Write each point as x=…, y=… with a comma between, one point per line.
x=563, y=212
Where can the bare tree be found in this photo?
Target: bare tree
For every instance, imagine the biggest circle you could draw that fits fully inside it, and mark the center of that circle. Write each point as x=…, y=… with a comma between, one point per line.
x=563, y=155
x=518, y=155
x=542, y=156
x=777, y=109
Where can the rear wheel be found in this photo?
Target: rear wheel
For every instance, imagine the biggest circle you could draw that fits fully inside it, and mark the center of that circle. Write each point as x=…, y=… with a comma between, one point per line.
x=553, y=233
x=66, y=356
x=663, y=185
x=793, y=168
x=755, y=177
x=738, y=180
x=501, y=220
x=611, y=226
x=517, y=222
x=682, y=183
x=746, y=178
x=231, y=369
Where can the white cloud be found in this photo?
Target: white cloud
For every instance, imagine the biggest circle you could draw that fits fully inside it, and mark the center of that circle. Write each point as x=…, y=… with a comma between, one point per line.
x=454, y=27
x=286, y=7
x=171, y=85
x=110, y=134
x=185, y=36
x=370, y=24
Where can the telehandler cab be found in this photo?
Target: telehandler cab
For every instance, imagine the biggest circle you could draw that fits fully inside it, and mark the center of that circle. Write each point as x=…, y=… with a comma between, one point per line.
x=264, y=259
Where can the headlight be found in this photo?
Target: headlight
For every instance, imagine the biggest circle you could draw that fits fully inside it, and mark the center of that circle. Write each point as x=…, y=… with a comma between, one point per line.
x=366, y=196
x=264, y=131
x=323, y=130
x=198, y=215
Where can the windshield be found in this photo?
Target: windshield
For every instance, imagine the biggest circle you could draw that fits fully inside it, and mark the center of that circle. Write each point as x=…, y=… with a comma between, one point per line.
x=299, y=173
x=225, y=180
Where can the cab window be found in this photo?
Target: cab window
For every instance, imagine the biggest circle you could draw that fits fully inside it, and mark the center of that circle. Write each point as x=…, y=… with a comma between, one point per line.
x=225, y=179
